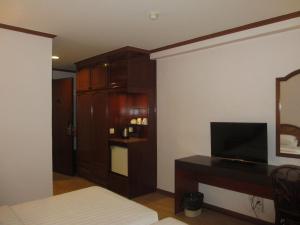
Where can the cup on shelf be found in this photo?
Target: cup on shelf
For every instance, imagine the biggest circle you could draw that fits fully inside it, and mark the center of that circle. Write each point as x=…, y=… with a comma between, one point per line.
x=139, y=121
x=145, y=121
x=133, y=121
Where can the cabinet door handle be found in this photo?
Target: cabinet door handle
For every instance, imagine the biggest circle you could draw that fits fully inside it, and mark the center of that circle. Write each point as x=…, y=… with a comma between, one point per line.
x=92, y=110
x=69, y=129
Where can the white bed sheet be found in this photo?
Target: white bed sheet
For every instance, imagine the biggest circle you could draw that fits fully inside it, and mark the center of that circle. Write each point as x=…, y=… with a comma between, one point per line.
x=169, y=221
x=8, y=217
x=90, y=206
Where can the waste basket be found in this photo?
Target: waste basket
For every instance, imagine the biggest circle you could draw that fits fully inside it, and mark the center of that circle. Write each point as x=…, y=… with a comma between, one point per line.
x=192, y=204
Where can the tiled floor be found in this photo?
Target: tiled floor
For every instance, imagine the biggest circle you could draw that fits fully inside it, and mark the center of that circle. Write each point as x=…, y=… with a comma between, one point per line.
x=161, y=203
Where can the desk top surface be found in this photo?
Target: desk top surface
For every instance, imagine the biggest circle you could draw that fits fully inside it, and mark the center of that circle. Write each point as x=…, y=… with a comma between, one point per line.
x=219, y=163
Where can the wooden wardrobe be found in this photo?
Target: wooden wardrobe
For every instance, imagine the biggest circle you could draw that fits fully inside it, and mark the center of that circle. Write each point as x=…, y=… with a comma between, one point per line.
x=115, y=89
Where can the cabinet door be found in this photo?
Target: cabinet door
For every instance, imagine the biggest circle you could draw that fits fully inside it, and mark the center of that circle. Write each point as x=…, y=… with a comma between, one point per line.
x=83, y=79
x=118, y=73
x=84, y=132
x=100, y=138
x=99, y=76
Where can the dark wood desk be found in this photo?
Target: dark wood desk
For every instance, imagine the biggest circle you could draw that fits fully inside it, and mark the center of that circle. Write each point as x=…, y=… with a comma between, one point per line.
x=253, y=179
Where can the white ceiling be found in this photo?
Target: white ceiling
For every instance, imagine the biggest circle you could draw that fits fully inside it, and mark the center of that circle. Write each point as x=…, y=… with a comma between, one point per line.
x=89, y=27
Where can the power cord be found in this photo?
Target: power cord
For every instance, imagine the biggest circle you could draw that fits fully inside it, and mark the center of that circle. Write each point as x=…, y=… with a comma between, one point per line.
x=254, y=204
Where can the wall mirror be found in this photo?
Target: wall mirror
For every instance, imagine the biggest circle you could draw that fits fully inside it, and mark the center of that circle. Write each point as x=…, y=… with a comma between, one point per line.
x=288, y=115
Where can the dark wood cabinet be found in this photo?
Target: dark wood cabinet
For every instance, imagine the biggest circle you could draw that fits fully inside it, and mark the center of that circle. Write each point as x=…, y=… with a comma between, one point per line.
x=83, y=79
x=93, y=77
x=84, y=134
x=141, y=174
x=118, y=74
x=92, y=134
x=110, y=95
x=99, y=138
x=99, y=76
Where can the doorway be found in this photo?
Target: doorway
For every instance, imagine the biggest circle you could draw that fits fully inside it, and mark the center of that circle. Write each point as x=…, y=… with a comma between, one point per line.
x=63, y=154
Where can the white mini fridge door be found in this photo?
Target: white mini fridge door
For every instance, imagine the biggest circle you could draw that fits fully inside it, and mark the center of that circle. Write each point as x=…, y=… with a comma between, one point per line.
x=119, y=160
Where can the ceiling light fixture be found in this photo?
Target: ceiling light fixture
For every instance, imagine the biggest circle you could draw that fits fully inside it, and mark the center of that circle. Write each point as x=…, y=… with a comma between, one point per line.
x=55, y=57
x=153, y=15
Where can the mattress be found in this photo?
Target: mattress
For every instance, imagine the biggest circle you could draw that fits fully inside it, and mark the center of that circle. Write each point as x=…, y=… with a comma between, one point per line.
x=90, y=206
x=169, y=221
x=8, y=217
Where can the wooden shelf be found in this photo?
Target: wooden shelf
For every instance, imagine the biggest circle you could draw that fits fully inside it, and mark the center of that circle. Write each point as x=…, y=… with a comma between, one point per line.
x=127, y=141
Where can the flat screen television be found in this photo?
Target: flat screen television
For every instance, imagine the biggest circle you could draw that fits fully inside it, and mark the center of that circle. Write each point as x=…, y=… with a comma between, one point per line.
x=239, y=141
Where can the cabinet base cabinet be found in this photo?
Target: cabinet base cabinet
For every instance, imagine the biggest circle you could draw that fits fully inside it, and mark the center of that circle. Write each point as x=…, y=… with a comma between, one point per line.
x=136, y=152
x=119, y=184
x=84, y=171
x=99, y=175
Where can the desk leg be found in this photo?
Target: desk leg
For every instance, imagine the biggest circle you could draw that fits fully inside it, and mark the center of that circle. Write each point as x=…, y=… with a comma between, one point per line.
x=185, y=181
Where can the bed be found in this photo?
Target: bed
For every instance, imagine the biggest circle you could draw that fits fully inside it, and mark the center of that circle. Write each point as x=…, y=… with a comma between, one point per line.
x=289, y=139
x=89, y=206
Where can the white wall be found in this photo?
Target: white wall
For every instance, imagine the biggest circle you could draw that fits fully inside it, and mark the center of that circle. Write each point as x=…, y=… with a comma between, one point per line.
x=230, y=82
x=25, y=131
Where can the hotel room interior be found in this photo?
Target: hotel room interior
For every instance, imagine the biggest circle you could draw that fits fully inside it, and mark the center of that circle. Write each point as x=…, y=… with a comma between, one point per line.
x=144, y=112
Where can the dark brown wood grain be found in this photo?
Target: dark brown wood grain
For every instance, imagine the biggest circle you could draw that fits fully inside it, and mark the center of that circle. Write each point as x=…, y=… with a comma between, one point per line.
x=277, y=110
x=230, y=31
x=99, y=144
x=84, y=135
x=99, y=76
x=127, y=79
x=83, y=79
x=251, y=179
x=28, y=31
x=62, y=126
x=118, y=73
x=141, y=175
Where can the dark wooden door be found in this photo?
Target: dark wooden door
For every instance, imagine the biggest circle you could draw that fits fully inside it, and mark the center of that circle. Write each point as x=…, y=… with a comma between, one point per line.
x=62, y=120
x=100, y=138
x=84, y=134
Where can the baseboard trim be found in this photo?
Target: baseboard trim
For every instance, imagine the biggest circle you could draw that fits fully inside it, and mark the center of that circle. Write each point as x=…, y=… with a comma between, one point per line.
x=223, y=211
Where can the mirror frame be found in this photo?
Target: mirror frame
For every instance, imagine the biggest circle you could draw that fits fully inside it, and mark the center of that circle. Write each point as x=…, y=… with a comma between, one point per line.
x=278, y=80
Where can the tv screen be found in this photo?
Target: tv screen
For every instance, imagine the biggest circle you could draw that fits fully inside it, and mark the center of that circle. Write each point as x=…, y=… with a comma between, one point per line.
x=239, y=141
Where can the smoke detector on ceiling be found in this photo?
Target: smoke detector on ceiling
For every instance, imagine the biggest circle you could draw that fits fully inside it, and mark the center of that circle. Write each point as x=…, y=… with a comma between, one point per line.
x=153, y=15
